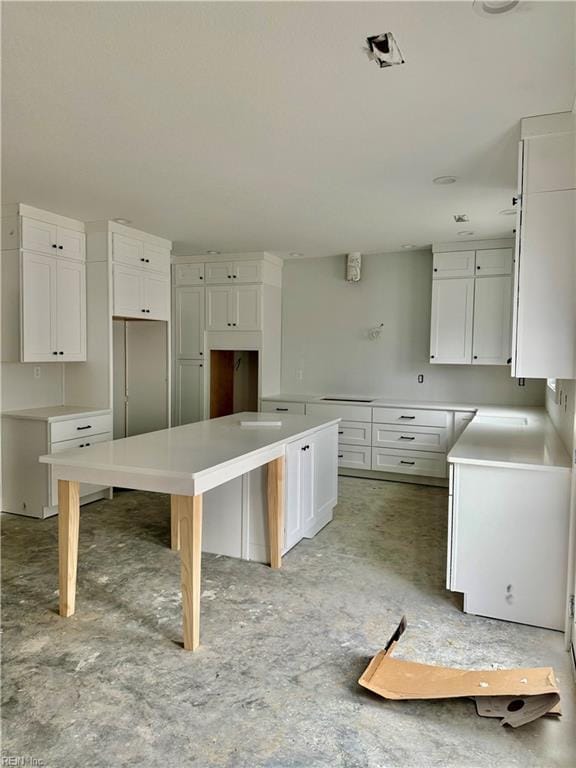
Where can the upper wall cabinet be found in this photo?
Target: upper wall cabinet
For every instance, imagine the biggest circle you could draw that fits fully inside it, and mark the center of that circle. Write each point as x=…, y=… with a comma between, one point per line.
x=472, y=305
x=43, y=286
x=233, y=272
x=544, y=326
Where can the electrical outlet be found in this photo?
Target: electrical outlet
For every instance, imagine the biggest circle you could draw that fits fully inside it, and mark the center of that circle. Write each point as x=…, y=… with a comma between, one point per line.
x=37, y=372
x=420, y=378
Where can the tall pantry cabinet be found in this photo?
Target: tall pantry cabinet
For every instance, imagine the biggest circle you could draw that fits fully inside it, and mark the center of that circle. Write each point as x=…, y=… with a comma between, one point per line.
x=224, y=304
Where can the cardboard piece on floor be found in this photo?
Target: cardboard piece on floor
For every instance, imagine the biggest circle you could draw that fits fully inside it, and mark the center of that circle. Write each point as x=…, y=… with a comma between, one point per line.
x=533, y=690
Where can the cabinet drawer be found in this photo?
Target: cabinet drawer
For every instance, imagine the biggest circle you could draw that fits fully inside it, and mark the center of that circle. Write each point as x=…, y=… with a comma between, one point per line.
x=410, y=417
x=354, y=432
x=411, y=463
x=68, y=445
x=410, y=438
x=72, y=428
x=354, y=457
x=189, y=274
x=347, y=412
x=277, y=406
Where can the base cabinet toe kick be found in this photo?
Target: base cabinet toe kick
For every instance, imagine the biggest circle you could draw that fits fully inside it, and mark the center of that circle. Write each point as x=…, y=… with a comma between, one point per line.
x=508, y=542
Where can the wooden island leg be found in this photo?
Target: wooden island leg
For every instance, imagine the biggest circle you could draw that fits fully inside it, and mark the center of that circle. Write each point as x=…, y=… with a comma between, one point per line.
x=188, y=511
x=68, y=531
x=174, y=525
x=276, y=510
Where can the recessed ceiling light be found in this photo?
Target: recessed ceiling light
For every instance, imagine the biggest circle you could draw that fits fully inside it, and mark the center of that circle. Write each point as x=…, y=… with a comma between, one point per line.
x=494, y=7
x=460, y=218
x=122, y=221
x=465, y=233
x=408, y=245
x=213, y=253
x=296, y=255
x=444, y=180
x=508, y=212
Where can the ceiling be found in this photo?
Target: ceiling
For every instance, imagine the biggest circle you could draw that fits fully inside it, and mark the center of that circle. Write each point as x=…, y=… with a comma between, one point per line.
x=264, y=126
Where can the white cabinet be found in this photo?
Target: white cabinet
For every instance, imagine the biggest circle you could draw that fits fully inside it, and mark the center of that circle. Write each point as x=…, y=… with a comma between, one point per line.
x=235, y=308
x=234, y=271
x=140, y=294
x=279, y=406
x=311, y=485
x=451, y=321
x=189, y=274
x=189, y=322
x=49, y=238
x=53, y=306
x=71, y=243
x=494, y=261
x=189, y=391
x=127, y=250
x=549, y=163
x=492, y=321
x=453, y=264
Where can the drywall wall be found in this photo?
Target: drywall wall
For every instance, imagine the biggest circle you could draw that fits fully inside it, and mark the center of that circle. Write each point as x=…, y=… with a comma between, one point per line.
x=561, y=407
x=325, y=344
x=21, y=388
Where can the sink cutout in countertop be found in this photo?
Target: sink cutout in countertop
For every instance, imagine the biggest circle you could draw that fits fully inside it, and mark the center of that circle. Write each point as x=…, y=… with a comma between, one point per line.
x=347, y=400
x=502, y=421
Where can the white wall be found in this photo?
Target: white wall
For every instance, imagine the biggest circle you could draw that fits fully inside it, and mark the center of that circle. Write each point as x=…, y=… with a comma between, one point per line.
x=561, y=407
x=324, y=335
x=21, y=389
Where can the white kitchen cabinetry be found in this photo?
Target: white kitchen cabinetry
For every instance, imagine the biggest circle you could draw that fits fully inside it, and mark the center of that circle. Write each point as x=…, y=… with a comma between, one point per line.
x=471, y=316
x=451, y=323
x=233, y=308
x=28, y=485
x=544, y=325
x=43, y=287
x=189, y=389
x=311, y=485
x=277, y=406
x=189, y=322
x=492, y=321
x=53, y=309
x=139, y=294
x=189, y=274
x=220, y=273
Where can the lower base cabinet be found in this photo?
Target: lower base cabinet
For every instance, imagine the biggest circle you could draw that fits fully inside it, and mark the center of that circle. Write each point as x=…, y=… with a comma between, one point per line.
x=507, y=542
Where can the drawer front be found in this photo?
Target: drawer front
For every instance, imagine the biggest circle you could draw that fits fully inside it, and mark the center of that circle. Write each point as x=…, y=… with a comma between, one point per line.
x=410, y=438
x=76, y=428
x=277, y=406
x=411, y=463
x=410, y=417
x=347, y=412
x=189, y=274
x=127, y=250
x=355, y=432
x=67, y=445
x=354, y=457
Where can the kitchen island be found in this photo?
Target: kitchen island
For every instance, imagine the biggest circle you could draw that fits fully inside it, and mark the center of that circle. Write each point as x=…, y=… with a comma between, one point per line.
x=188, y=462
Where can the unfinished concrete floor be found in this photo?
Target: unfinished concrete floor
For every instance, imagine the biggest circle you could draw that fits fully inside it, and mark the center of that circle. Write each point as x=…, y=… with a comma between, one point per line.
x=274, y=682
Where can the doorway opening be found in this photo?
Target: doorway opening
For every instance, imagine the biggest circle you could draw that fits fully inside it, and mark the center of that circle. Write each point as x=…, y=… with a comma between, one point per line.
x=233, y=381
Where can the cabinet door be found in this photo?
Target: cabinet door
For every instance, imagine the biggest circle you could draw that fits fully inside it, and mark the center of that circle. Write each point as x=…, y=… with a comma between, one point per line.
x=246, y=312
x=39, y=236
x=293, y=505
x=71, y=243
x=307, y=483
x=156, y=296
x=546, y=274
x=247, y=271
x=38, y=309
x=128, y=292
x=218, y=272
x=71, y=310
x=325, y=458
x=454, y=264
x=127, y=250
x=492, y=321
x=451, y=322
x=218, y=308
x=189, y=405
x=494, y=261
x=156, y=258
x=189, y=322
x=189, y=274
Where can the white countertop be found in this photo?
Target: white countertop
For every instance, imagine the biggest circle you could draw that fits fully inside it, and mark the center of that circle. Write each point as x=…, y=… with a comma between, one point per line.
x=522, y=438
x=56, y=412
x=372, y=402
x=193, y=453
